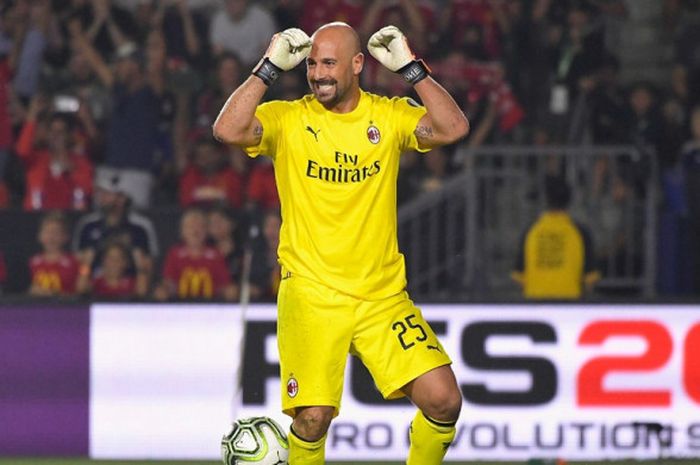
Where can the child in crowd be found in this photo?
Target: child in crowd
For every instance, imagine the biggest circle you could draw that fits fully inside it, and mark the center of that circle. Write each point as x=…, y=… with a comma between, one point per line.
x=54, y=271
x=112, y=280
x=193, y=269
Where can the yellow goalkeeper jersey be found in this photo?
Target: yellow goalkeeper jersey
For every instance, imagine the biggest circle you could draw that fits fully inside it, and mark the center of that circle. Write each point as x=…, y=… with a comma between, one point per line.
x=336, y=176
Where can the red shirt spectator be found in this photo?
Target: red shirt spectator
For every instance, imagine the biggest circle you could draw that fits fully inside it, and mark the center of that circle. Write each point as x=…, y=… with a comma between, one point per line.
x=125, y=287
x=53, y=271
x=56, y=177
x=209, y=179
x=56, y=276
x=194, y=270
x=196, y=276
x=462, y=14
x=262, y=189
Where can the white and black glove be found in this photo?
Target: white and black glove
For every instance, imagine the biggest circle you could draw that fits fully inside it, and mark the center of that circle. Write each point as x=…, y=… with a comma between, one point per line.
x=286, y=50
x=390, y=47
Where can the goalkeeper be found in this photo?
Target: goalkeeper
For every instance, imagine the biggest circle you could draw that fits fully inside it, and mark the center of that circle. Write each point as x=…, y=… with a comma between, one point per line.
x=336, y=157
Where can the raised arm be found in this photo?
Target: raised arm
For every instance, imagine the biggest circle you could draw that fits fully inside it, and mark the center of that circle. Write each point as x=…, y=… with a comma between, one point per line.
x=444, y=122
x=236, y=123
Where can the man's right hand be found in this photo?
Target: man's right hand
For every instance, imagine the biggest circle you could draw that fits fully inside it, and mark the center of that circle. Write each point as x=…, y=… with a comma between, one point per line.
x=286, y=50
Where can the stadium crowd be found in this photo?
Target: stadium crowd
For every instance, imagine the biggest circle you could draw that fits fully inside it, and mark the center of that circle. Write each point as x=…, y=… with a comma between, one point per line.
x=106, y=108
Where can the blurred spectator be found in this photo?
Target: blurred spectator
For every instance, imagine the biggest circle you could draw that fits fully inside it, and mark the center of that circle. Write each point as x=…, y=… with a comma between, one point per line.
x=227, y=77
x=173, y=96
x=76, y=89
x=209, y=178
x=106, y=25
x=54, y=271
x=470, y=23
x=56, y=176
x=225, y=235
x=115, y=221
x=242, y=27
x=5, y=126
x=574, y=49
x=611, y=15
x=675, y=110
x=483, y=118
x=555, y=260
x=415, y=18
x=30, y=34
x=476, y=84
x=609, y=117
x=612, y=198
x=687, y=43
x=112, y=280
x=200, y=6
x=646, y=123
x=184, y=31
x=265, y=273
x=690, y=160
x=262, y=190
x=134, y=131
x=193, y=269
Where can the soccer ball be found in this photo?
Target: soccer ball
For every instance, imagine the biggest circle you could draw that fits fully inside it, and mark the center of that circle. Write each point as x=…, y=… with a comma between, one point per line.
x=255, y=440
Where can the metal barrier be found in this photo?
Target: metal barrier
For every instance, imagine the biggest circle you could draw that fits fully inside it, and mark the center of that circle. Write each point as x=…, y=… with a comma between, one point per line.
x=461, y=242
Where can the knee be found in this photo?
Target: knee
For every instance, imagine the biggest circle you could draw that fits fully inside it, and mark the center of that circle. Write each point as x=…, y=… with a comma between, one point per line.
x=444, y=405
x=311, y=423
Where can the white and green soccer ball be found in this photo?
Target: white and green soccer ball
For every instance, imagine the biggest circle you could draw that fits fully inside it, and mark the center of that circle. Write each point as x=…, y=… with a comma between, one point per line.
x=255, y=440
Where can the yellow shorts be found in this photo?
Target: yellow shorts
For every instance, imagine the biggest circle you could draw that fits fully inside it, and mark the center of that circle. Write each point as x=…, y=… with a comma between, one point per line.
x=317, y=327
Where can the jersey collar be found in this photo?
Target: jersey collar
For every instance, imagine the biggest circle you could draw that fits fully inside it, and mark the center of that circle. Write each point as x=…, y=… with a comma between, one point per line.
x=354, y=115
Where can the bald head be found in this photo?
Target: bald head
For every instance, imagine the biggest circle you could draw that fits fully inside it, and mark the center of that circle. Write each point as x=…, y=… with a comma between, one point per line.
x=333, y=66
x=341, y=34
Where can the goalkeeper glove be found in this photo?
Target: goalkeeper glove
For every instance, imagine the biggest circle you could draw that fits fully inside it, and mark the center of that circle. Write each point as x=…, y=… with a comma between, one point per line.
x=390, y=47
x=286, y=50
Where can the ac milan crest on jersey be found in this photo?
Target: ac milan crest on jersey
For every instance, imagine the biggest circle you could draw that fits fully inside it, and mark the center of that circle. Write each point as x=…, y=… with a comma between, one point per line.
x=292, y=387
x=373, y=134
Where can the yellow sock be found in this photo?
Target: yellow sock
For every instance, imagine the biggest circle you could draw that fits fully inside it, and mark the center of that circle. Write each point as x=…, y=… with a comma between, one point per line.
x=302, y=452
x=429, y=440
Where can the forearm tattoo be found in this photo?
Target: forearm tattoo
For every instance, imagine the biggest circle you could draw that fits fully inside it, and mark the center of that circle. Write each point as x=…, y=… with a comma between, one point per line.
x=424, y=132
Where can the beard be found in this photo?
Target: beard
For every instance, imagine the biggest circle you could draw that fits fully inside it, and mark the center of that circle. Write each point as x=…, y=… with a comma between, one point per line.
x=326, y=91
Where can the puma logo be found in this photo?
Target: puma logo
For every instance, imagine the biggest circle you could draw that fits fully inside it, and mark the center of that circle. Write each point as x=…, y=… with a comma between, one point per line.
x=433, y=348
x=315, y=133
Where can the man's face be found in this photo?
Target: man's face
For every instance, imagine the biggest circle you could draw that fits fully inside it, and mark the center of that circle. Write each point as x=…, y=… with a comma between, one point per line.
x=109, y=201
x=331, y=70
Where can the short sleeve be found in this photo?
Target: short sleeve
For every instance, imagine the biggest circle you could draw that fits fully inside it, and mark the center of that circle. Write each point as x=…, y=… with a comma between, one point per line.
x=270, y=115
x=407, y=113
